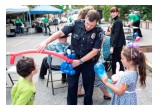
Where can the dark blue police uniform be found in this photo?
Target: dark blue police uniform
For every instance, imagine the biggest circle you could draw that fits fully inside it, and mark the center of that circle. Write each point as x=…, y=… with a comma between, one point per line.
x=82, y=42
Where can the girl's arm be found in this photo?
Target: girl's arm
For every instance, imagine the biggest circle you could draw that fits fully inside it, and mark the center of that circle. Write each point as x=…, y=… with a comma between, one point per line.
x=117, y=90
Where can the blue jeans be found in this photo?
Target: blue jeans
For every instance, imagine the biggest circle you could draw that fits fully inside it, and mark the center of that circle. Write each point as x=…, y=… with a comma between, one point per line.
x=18, y=29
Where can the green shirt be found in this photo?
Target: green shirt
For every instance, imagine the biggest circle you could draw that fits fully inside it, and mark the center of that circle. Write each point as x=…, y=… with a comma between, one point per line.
x=18, y=21
x=133, y=17
x=23, y=92
x=70, y=19
x=45, y=20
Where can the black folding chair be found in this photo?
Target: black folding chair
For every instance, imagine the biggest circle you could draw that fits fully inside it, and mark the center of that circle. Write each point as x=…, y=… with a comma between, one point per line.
x=108, y=62
x=11, y=69
x=54, y=68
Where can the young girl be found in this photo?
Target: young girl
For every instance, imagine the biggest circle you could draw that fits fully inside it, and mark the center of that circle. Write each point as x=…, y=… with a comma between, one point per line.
x=125, y=88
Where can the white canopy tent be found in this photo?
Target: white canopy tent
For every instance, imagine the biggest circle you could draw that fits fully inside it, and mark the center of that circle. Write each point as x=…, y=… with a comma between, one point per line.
x=18, y=9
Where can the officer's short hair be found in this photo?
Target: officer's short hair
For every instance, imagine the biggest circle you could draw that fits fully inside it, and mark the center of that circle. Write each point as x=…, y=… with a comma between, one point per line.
x=92, y=15
x=25, y=66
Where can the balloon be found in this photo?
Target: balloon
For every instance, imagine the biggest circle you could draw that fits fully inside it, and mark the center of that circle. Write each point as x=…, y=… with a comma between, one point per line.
x=132, y=45
x=67, y=68
x=135, y=34
x=73, y=55
x=137, y=39
x=14, y=54
x=63, y=66
x=109, y=90
x=100, y=71
x=68, y=51
x=118, y=74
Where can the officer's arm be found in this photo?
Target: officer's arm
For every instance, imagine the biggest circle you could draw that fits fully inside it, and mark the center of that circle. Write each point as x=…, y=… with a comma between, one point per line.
x=90, y=55
x=53, y=37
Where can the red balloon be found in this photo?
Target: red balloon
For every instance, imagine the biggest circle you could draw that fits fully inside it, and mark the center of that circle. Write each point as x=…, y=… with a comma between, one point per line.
x=137, y=39
x=14, y=54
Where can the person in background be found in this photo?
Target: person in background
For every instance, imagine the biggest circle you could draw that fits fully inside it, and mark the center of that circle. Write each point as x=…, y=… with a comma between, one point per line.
x=117, y=39
x=60, y=47
x=134, y=20
x=86, y=40
x=11, y=21
x=23, y=92
x=108, y=31
x=18, y=24
x=46, y=25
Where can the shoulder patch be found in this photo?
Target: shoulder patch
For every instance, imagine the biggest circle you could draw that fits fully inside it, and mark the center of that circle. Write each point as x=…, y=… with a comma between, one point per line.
x=93, y=35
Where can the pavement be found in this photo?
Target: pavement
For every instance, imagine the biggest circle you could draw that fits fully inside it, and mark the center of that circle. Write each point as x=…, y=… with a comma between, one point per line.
x=44, y=94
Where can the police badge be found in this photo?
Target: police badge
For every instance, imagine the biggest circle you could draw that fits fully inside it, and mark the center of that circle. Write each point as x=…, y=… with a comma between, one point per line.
x=93, y=35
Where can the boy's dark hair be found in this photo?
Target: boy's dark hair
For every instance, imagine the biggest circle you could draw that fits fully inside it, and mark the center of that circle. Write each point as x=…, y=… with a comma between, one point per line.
x=25, y=66
x=93, y=15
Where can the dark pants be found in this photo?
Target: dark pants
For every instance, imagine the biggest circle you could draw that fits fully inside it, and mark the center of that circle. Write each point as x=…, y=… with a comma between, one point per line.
x=45, y=26
x=45, y=66
x=116, y=57
x=18, y=29
x=88, y=77
x=137, y=24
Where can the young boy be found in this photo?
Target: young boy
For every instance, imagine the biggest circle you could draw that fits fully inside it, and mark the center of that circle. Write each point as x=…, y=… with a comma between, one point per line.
x=23, y=92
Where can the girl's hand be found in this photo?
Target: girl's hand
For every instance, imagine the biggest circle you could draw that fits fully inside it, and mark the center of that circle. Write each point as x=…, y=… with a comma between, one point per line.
x=105, y=79
x=41, y=47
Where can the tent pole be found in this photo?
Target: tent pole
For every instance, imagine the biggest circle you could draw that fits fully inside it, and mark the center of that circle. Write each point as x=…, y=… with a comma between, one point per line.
x=30, y=21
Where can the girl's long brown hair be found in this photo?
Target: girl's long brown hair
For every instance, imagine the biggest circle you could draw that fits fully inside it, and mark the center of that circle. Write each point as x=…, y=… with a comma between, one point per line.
x=138, y=59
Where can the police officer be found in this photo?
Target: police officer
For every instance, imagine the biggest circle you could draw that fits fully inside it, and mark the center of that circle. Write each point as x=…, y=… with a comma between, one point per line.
x=86, y=40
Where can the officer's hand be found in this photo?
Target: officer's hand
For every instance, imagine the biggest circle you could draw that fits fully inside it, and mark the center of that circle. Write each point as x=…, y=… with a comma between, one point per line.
x=41, y=47
x=75, y=63
x=111, y=50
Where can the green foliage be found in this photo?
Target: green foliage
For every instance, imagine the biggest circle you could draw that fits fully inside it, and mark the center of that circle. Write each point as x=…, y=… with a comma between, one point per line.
x=78, y=6
x=145, y=10
x=105, y=12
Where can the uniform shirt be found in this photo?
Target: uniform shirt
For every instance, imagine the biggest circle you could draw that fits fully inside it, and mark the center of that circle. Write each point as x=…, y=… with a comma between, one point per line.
x=133, y=17
x=23, y=92
x=82, y=41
